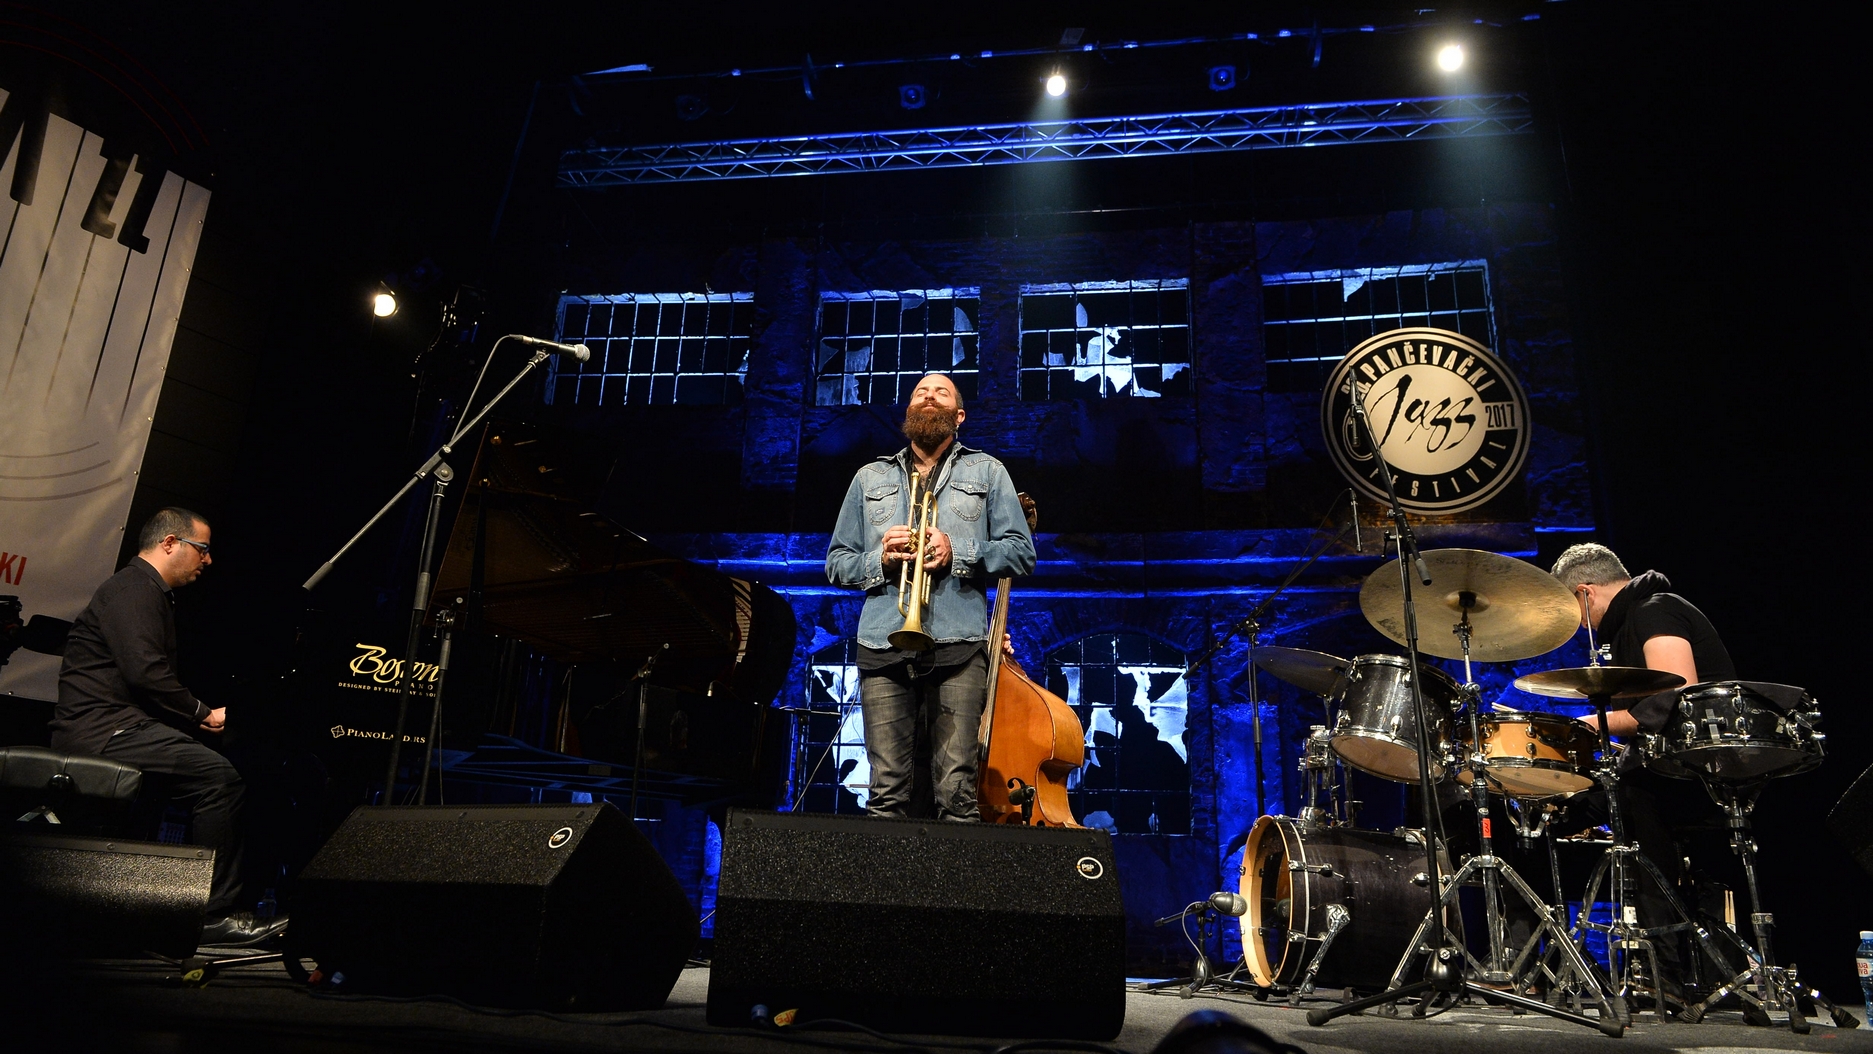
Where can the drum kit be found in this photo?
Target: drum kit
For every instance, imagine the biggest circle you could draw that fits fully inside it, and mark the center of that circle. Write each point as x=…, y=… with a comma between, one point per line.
x=1329, y=902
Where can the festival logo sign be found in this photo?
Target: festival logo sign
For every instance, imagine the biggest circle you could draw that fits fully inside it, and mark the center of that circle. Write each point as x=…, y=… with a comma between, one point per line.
x=1449, y=417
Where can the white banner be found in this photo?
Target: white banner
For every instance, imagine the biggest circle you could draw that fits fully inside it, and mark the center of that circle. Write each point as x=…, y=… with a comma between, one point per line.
x=85, y=330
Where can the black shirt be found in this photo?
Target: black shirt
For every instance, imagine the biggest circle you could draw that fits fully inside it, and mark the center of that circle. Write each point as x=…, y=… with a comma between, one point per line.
x=1647, y=608
x=120, y=664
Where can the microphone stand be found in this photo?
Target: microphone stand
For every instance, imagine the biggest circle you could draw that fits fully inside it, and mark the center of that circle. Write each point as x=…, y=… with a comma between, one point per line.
x=440, y=474
x=1251, y=625
x=1446, y=959
x=643, y=719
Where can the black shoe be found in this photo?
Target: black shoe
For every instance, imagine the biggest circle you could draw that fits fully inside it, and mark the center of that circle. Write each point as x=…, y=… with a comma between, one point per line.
x=241, y=929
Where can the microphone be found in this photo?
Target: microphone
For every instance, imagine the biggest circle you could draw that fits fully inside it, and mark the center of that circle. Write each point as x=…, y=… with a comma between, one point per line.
x=1221, y=903
x=1229, y=904
x=577, y=351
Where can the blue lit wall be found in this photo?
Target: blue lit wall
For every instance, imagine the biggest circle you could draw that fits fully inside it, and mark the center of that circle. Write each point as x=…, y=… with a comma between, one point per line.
x=1171, y=517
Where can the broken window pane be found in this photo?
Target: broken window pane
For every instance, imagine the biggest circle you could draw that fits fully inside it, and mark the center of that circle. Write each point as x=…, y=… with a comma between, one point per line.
x=653, y=349
x=1311, y=319
x=876, y=345
x=1095, y=340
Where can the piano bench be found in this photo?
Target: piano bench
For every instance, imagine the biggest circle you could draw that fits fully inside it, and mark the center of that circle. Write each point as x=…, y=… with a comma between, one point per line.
x=75, y=790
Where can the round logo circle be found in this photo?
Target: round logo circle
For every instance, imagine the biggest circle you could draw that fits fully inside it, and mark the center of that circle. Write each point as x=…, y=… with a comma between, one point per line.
x=1089, y=868
x=1449, y=417
x=560, y=838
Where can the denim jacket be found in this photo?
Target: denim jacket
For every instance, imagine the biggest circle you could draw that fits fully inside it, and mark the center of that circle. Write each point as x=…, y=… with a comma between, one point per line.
x=975, y=505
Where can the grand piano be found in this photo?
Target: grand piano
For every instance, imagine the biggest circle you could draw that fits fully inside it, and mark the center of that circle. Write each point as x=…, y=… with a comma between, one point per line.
x=557, y=607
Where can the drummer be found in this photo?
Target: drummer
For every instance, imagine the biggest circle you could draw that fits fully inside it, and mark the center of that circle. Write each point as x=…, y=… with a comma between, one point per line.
x=1645, y=624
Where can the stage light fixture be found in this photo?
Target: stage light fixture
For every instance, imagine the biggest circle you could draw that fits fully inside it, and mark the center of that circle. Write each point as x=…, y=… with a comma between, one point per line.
x=1057, y=84
x=1450, y=58
x=1222, y=78
x=384, y=302
x=911, y=96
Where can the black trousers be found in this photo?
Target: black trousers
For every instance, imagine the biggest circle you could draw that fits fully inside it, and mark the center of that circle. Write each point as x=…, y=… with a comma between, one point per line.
x=181, y=769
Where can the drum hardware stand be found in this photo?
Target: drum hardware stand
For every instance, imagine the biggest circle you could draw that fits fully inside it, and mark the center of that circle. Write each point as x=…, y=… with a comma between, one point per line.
x=1444, y=967
x=1565, y=981
x=1337, y=918
x=1761, y=983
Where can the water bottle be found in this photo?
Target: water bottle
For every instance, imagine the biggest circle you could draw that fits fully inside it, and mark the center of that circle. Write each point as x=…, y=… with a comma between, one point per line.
x=1863, y=965
x=269, y=907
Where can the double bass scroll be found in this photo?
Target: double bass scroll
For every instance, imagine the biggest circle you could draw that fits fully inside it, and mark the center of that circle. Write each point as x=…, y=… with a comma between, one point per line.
x=1030, y=739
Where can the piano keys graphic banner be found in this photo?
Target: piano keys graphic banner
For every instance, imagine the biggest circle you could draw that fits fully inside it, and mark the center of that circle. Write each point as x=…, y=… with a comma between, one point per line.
x=86, y=324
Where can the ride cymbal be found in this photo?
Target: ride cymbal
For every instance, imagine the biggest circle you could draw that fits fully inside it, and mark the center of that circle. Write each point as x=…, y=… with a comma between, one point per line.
x=1517, y=610
x=1585, y=682
x=1314, y=671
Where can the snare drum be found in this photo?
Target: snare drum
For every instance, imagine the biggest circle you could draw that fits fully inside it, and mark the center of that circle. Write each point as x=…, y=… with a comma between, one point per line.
x=1292, y=873
x=1738, y=730
x=1535, y=755
x=1376, y=732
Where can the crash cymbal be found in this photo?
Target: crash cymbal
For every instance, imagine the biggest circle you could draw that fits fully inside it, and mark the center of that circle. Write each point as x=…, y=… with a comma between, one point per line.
x=1517, y=610
x=1585, y=682
x=1315, y=671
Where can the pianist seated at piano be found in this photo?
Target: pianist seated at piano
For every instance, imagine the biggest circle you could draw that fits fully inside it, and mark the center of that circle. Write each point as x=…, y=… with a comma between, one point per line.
x=120, y=698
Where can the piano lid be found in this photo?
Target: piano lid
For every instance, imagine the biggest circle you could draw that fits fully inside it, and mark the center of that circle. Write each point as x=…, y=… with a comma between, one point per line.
x=579, y=587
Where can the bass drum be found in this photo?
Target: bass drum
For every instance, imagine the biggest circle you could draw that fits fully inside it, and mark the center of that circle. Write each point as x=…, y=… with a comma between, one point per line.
x=1291, y=873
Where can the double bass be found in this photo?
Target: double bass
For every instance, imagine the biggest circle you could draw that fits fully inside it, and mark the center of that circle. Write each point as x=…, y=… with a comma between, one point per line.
x=1030, y=739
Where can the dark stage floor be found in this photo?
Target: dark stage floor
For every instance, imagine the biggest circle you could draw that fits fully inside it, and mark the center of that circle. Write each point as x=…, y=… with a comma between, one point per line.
x=130, y=1008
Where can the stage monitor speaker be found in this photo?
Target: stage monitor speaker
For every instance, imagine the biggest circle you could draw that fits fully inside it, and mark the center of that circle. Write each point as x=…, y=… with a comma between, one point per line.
x=1851, y=820
x=74, y=896
x=919, y=926
x=564, y=907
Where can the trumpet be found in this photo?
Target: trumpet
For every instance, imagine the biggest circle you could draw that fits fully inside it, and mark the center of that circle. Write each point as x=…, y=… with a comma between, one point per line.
x=913, y=587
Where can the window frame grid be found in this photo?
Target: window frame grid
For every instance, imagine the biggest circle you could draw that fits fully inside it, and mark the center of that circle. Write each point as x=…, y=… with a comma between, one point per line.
x=1286, y=363
x=1073, y=290
x=966, y=378
x=598, y=374
x=1112, y=754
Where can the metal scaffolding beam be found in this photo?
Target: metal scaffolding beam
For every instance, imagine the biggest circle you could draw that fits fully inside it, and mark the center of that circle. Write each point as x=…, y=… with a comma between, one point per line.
x=1260, y=128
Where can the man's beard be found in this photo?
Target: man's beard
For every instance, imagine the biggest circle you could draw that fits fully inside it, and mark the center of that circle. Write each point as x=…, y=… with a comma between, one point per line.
x=928, y=426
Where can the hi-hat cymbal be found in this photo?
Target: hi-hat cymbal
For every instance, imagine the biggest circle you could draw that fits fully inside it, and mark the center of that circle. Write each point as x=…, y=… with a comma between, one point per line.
x=1315, y=671
x=1517, y=610
x=1614, y=682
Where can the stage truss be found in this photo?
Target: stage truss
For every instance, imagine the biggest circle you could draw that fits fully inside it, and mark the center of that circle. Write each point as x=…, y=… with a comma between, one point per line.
x=1259, y=128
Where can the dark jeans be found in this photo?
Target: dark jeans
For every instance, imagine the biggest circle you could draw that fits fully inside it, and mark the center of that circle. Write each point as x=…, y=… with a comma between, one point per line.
x=946, y=705
x=178, y=767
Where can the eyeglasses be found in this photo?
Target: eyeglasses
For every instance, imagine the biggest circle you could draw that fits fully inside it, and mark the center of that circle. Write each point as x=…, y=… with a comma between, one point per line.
x=200, y=547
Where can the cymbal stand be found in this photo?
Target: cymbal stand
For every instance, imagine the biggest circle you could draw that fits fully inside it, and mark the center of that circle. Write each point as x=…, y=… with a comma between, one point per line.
x=1762, y=982
x=1445, y=956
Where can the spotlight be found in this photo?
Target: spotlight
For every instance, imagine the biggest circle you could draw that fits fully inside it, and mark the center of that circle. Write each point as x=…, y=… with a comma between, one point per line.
x=1057, y=84
x=911, y=96
x=1450, y=58
x=384, y=302
x=1222, y=78
x=691, y=107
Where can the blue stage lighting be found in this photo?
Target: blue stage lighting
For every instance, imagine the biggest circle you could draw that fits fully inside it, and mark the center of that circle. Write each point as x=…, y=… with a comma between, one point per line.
x=911, y=96
x=1222, y=78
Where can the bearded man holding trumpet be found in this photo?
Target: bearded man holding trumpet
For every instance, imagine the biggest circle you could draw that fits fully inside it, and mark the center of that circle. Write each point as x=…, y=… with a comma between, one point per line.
x=922, y=631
